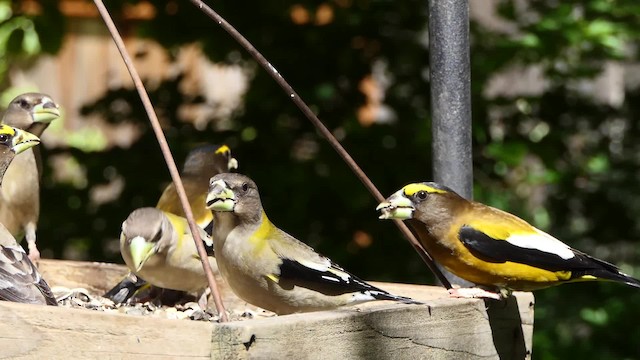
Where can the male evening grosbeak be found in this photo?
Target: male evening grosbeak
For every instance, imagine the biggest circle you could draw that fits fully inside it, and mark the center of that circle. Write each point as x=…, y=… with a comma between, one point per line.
x=20, y=281
x=201, y=164
x=490, y=247
x=269, y=268
x=20, y=194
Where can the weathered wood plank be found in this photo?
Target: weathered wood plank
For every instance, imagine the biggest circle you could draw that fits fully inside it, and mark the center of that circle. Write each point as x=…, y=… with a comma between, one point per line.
x=47, y=332
x=94, y=276
x=443, y=328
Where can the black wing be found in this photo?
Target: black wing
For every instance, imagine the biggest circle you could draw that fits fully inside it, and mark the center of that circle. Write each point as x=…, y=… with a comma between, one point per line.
x=500, y=251
x=332, y=282
x=126, y=288
x=293, y=273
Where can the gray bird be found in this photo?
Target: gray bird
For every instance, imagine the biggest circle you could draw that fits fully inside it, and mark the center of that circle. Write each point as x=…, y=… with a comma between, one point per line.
x=158, y=247
x=269, y=268
x=200, y=165
x=20, y=195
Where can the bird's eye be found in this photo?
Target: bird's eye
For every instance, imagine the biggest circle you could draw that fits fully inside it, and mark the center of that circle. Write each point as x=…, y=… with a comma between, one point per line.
x=23, y=103
x=245, y=187
x=4, y=138
x=421, y=194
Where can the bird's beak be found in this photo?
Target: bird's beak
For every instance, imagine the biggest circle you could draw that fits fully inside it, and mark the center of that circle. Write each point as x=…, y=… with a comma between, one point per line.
x=220, y=197
x=23, y=140
x=141, y=250
x=232, y=164
x=46, y=111
x=397, y=206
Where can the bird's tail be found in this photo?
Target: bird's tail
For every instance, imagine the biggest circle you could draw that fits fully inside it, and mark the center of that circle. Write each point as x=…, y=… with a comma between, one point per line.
x=616, y=276
x=126, y=289
x=605, y=271
x=383, y=295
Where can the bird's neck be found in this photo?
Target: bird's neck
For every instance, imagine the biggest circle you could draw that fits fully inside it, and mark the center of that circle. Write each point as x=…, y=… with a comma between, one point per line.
x=223, y=222
x=37, y=128
x=6, y=156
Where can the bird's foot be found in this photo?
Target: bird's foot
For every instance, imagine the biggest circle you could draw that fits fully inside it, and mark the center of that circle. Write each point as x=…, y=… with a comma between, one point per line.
x=203, y=300
x=474, y=293
x=34, y=254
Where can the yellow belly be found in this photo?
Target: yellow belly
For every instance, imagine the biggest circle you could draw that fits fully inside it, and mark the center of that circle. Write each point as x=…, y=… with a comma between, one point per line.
x=455, y=257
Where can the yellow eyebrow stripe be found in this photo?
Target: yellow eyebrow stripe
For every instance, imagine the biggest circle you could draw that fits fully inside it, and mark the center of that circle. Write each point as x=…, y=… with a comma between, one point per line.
x=223, y=149
x=411, y=189
x=6, y=129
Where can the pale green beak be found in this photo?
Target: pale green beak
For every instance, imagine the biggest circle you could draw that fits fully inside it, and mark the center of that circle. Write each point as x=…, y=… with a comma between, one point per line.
x=23, y=140
x=232, y=164
x=397, y=206
x=220, y=197
x=46, y=111
x=141, y=251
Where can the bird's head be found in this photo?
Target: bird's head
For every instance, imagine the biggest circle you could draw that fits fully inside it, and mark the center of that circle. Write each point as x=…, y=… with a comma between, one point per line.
x=224, y=153
x=143, y=234
x=30, y=108
x=427, y=201
x=16, y=140
x=209, y=160
x=232, y=192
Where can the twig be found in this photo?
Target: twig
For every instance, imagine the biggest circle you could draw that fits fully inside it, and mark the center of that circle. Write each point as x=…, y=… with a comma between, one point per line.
x=166, y=152
x=321, y=128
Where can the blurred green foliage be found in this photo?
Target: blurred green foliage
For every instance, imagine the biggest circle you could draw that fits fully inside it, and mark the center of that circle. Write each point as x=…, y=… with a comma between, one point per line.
x=560, y=159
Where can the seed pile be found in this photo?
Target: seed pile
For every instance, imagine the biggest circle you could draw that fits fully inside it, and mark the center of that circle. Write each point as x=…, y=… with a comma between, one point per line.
x=82, y=298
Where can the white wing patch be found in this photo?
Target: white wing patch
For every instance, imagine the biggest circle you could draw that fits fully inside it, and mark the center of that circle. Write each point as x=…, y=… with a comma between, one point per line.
x=315, y=265
x=543, y=242
x=327, y=267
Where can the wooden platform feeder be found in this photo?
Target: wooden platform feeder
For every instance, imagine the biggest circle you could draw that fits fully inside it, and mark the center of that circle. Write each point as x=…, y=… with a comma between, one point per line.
x=443, y=328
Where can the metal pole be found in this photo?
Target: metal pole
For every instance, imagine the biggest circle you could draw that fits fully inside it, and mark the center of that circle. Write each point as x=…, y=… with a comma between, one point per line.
x=451, y=98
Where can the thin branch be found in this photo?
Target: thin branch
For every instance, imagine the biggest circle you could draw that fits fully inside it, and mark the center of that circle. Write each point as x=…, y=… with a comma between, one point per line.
x=321, y=128
x=166, y=152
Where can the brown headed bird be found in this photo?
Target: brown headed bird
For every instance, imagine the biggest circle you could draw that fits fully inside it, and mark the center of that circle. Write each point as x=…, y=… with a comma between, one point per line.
x=494, y=249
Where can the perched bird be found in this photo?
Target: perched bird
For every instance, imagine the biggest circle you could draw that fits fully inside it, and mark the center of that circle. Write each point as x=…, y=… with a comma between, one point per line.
x=489, y=247
x=20, y=280
x=158, y=247
x=269, y=268
x=200, y=165
x=20, y=195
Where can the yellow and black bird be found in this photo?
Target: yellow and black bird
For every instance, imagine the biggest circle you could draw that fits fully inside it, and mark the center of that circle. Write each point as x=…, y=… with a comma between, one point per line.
x=269, y=268
x=20, y=195
x=201, y=164
x=489, y=247
x=20, y=280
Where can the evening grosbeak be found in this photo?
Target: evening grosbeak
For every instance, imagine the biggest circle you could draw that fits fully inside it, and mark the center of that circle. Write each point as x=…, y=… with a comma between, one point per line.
x=20, y=280
x=269, y=268
x=20, y=195
x=489, y=247
x=158, y=246
x=201, y=164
